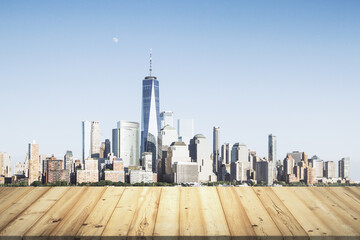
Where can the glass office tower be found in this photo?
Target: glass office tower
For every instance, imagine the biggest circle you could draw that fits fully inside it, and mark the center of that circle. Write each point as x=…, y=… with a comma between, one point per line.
x=150, y=117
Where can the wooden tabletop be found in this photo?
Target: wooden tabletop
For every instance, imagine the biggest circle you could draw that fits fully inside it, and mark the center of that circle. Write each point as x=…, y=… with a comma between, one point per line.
x=179, y=212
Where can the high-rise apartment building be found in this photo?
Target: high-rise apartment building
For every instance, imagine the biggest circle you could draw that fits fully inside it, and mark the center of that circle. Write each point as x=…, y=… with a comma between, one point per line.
x=5, y=165
x=166, y=118
x=272, y=148
x=330, y=169
x=200, y=152
x=239, y=162
x=317, y=165
x=95, y=139
x=69, y=161
x=150, y=115
x=34, y=168
x=125, y=140
x=344, y=168
x=216, y=152
x=185, y=130
x=86, y=140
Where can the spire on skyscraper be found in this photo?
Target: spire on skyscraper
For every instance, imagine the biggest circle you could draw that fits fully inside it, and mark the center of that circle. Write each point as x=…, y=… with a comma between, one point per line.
x=150, y=61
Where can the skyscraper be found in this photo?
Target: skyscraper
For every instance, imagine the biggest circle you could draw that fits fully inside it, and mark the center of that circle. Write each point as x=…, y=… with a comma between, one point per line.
x=330, y=169
x=166, y=118
x=344, y=168
x=34, y=168
x=185, y=130
x=150, y=119
x=216, y=152
x=5, y=165
x=107, y=148
x=86, y=140
x=69, y=161
x=200, y=152
x=272, y=148
x=95, y=139
x=272, y=153
x=125, y=140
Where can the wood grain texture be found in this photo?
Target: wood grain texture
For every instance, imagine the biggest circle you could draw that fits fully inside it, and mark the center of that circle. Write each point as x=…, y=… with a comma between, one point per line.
x=180, y=213
x=19, y=206
x=32, y=214
x=236, y=217
x=75, y=218
x=168, y=216
x=95, y=223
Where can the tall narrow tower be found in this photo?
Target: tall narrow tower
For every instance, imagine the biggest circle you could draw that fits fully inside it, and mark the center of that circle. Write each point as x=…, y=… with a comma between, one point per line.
x=272, y=153
x=150, y=115
x=34, y=173
x=216, y=152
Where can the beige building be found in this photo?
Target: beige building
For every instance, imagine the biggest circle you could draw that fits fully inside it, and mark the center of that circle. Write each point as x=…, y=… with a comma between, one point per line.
x=5, y=165
x=95, y=140
x=330, y=169
x=90, y=173
x=117, y=174
x=34, y=168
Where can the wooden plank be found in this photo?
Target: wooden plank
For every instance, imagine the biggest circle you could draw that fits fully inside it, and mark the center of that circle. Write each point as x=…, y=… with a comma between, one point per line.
x=347, y=197
x=355, y=191
x=309, y=212
x=282, y=217
x=14, y=195
x=260, y=219
x=4, y=191
x=201, y=213
x=125, y=210
x=75, y=218
x=100, y=215
x=16, y=208
x=236, y=217
x=167, y=220
x=340, y=209
x=32, y=214
x=143, y=223
x=45, y=225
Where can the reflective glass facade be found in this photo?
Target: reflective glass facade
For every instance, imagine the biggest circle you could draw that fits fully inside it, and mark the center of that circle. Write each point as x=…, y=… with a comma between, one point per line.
x=150, y=117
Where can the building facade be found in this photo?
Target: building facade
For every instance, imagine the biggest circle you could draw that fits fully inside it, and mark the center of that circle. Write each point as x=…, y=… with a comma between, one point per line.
x=125, y=140
x=216, y=152
x=95, y=139
x=86, y=140
x=200, y=152
x=344, y=168
x=34, y=168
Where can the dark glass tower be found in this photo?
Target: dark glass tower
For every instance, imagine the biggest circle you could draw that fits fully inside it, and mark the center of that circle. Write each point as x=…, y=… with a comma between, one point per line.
x=150, y=116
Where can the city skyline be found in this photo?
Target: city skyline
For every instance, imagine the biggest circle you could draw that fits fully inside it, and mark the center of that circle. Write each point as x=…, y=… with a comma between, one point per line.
x=315, y=111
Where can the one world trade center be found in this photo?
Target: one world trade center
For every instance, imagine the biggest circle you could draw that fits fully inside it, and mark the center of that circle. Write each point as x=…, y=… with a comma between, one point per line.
x=150, y=115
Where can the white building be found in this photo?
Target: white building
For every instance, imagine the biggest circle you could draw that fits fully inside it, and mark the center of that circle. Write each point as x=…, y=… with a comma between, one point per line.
x=5, y=165
x=146, y=160
x=239, y=153
x=125, y=140
x=166, y=118
x=318, y=165
x=185, y=130
x=200, y=152
x=86, y=140
x=95, y=139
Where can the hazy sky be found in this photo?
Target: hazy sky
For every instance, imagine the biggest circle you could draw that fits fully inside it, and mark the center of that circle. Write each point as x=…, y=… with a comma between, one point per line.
x=291, y=68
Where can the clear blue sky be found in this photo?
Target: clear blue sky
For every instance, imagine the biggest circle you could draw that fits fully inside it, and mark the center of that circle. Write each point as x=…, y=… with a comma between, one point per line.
x=291, y=68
